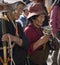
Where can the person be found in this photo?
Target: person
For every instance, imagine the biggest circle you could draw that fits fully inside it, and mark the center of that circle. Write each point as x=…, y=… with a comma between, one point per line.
x=37, y=39
x=23, y=16
x=19, y=7
x=54, y=23
x=41, y=3
x=17, y=37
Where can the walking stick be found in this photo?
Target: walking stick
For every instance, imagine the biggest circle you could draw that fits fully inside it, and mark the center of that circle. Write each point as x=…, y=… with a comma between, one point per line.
x=4, y=44
x=5, y=59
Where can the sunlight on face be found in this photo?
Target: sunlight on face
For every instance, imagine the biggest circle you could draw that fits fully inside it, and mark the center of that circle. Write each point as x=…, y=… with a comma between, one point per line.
x=40, y=19
x=15, y=15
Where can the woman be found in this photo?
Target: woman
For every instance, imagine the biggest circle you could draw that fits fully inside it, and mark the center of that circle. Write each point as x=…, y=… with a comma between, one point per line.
x=55, y=25
x=37, y=39
x=38, y=4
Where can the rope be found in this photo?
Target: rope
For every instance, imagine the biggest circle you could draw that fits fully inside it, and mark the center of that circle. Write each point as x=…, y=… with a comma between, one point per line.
x=2, y=48
x=12, y=61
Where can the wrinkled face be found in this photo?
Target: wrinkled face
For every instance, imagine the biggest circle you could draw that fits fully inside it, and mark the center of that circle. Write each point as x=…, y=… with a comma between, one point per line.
x=15, y=15
x=39, y=20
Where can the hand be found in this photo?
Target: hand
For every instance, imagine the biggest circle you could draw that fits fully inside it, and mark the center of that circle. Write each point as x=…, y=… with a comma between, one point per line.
x=15, y=39
x=47, y=30
x=5, y=37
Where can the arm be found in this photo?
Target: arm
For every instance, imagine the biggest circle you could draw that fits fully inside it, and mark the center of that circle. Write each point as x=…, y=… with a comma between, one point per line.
x=53, y=19
x=34, y=44
x=25, y=43
x=43, y=40
x=22, y=40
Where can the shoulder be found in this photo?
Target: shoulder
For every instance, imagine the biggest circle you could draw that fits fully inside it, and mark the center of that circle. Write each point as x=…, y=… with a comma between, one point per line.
x=54, y=10
x=55, y=7
x=28, y=28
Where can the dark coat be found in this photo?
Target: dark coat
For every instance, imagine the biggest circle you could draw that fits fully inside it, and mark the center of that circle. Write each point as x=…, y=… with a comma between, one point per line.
x=19, y=53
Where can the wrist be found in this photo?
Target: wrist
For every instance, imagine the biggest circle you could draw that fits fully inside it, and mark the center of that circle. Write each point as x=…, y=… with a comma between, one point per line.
x=17, y=40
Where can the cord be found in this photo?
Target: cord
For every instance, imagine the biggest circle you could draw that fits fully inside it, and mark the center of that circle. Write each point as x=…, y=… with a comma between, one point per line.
x=12, y=61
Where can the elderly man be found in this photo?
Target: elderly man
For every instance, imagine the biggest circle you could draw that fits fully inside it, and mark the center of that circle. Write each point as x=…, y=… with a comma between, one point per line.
x=13, y=34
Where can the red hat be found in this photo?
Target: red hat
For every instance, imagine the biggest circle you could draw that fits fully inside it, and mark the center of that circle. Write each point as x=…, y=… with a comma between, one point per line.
x=31, y=14
x=35, y=9
x=4, y=7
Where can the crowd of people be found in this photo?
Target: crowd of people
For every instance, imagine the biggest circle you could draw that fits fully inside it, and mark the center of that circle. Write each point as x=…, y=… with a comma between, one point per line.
x=29, y=30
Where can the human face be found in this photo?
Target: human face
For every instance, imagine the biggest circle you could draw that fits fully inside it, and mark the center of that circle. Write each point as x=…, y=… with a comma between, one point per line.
x=19, y=8
x=39, y=20
x=16, y=14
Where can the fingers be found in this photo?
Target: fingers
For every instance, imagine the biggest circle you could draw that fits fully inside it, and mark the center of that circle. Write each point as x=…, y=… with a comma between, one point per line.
x=5, y=37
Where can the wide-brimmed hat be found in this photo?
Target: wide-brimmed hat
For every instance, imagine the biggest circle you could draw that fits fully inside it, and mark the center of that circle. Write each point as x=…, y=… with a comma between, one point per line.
x=10, y=5
x=35, y=10
x=4, y=7
x=31, y=14
x=14, y=1
x=15, y=4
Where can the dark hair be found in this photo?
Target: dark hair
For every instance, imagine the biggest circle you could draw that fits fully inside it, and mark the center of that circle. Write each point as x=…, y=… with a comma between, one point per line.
x=32, y=18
